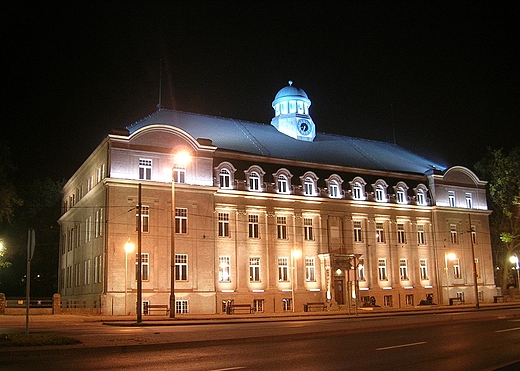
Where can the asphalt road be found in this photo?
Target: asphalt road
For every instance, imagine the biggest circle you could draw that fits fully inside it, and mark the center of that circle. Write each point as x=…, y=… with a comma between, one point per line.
x=466, y=340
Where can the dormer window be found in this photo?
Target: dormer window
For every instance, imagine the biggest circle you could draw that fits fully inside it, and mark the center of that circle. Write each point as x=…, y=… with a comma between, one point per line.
x=334, y=186
x=225, y=178
x=254, y=181
x=309, y=180
x=380, y=193
x=282, y=184
x=401, y=193
x=421, y=199
x=357, y=191
x=254, y=178
x=224, y=173
x=283, y=181
x=469, y=201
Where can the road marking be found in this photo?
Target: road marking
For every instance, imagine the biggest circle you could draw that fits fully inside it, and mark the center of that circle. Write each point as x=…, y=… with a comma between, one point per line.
x=229, y=369
x=402, y=346
x=509, y=329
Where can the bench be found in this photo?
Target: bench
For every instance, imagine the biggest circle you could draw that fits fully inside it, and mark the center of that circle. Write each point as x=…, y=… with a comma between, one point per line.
x=244, y=307
x=499, y=299
x=456, y=300
x=157, y=307
x=308, y=307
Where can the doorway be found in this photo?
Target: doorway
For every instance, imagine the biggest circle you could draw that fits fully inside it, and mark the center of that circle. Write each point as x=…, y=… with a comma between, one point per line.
x=339, y=291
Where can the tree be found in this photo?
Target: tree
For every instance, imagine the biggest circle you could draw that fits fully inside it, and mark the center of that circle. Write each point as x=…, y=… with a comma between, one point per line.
x=502, y=171
x=8, y=197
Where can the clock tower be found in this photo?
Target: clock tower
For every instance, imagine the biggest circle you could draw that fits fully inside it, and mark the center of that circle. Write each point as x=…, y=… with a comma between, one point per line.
x=291, y=114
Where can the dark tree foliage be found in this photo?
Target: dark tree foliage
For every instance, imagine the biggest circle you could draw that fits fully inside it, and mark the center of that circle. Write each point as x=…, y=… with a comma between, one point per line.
x=502, y=171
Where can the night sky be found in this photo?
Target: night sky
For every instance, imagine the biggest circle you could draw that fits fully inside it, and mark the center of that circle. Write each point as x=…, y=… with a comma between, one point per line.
x=439, y=78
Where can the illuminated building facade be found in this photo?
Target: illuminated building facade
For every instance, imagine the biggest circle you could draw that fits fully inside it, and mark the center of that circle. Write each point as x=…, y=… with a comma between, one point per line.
x=275, y=216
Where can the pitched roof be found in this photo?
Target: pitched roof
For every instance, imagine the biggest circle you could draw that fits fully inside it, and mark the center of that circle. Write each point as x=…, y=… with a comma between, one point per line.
x=265, y=140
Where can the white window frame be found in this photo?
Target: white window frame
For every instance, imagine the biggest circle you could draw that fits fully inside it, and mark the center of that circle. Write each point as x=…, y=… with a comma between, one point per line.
x=310, y=269
x=423, y=269
x=381, y=268
x=224, y=269
x=282, y=184
x=254, y=269
x=421, y=237
x=403, y=269
x=380, y=232
x=181, y=220
x=254, y=181
x=308, y=233
x=223, y=224
x=469, y=201
x=454, y=234
x=181, y=267
x=145, y=266
x=145, y=168
x=283, y=269
x=281, y=227
x=451, y=198
x=401, y=234
x=225, y=178
x=253, y=225
x=358, y=230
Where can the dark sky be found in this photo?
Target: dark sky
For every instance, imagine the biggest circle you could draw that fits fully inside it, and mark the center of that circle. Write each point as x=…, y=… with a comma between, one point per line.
x=440, y=77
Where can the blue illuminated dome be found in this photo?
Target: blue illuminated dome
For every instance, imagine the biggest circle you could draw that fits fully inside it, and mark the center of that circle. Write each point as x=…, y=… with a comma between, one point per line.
x=290, y=92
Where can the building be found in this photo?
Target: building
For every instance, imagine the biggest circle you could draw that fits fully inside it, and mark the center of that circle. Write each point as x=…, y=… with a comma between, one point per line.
x=276, y=216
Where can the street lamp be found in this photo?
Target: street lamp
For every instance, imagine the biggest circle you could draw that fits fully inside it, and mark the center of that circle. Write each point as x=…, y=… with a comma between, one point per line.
x=129, y=247
x=514, y=259
x=178, y=176
x=295, y=254
x=448, y=256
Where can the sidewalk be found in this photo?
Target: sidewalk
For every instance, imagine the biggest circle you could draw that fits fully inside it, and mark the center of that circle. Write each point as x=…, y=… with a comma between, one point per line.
x=110, y=331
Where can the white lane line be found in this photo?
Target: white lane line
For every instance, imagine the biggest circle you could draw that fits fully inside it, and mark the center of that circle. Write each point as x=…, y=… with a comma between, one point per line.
x=509, y=329
x=402, y=346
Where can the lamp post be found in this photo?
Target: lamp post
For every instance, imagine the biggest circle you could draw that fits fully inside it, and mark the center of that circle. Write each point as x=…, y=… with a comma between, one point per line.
x=448, y=256
x=295, y=254
x=514, y=260
x=129, y=247
x=178, y=175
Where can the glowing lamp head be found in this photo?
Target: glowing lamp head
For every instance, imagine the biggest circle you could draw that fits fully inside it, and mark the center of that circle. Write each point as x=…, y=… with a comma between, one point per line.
x=182, y=158
x=129, y=247
x=451, y=256
x=513, y=259
x=296, y=254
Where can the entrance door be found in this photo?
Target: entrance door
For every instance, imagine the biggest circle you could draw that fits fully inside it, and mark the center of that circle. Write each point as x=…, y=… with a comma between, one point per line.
x=339, y=291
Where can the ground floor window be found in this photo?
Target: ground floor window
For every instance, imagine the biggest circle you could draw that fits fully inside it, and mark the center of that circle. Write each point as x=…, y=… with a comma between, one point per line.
x=387, y=301
x=145, y=309
x=287, y=304
x=409, y=299
x=258, y=305
x=181, y=306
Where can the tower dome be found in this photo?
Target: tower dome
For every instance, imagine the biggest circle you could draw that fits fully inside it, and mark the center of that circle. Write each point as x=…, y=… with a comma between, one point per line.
x=291, y=113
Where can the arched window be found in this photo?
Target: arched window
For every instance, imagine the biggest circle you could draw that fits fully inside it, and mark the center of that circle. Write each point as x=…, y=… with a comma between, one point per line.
x=380, y=193
x=282, y=184
x=420, y=195
x=333, y=189
x=400, y=195
x=357, y=191
x=225, y=178
x=254, y=181
x=308, y=187
x=309, y=183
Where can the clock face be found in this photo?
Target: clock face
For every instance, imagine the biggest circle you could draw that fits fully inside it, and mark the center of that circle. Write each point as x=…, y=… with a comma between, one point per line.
x=304, y=127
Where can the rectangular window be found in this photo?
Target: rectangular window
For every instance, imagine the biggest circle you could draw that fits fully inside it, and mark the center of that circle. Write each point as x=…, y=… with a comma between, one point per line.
x=88, y=226
x=283, y=269
x=401, y=237
x=181, y=306
x=477, y=267
x=310, y=270
x=258, y=305
x=179, y=174
x=456, y=269
x=451, y=198
x=145, y=218
x=281, y=227
x=387, y=301
x=98, y=223
x=145, y=168
x=287, y=304
x=181, y=220
x=145, y=266
x=361, y=270
x=421, y=240
x=86, y=272
x=380, y=233
x=473, y=235
x=423, y=269
x=358, y=236
x=181, y=267
x=381, y=265
x=307, y=229
x=224, y=269
x=409, y=300
x=254, y=269
x=469, y=201
x=97, y=269
x=77, y=277
x=223, y=224
x=253, y=225
x=403, y=269
x=453, y=234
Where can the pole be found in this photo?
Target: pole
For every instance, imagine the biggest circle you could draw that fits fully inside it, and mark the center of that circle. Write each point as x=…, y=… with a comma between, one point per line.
x=475, y=283
x=31, y=241
x=447, y=277
x=292, y=281
x=139, y=308
x=126, y=275
x=172, y=251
